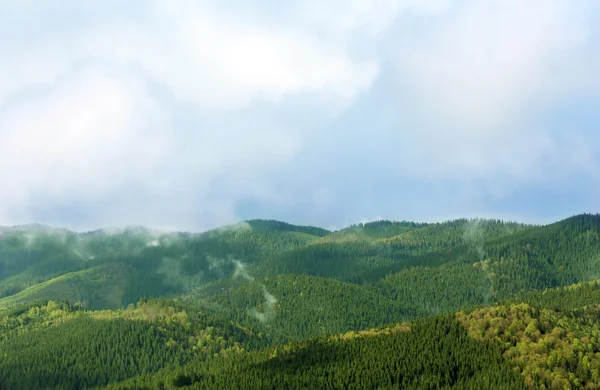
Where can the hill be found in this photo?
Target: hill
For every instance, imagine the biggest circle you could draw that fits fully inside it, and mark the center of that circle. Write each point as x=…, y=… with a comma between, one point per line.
x=371, y=230
x=433, y=353
x=54, y=263
x=295, y=307
x=425, y=269
x=360, y=258
x=509, y=346
x=297, y=302
x=98, y=287
x=57, y=345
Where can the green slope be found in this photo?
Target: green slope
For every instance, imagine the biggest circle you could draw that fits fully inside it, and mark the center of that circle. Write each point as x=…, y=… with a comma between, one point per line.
x=549, y=349
x=54, y=345
x=294, y=307
x=22, y=247
x=434, y=290
x=427, y=354
x=272, y=225
x=507, y=259
x=53, y=263
x=371, y=230
x=364, y=259
x=98, y=287
x=502, y=267
x=564, y=298
x=509, y=346
x=283, y=283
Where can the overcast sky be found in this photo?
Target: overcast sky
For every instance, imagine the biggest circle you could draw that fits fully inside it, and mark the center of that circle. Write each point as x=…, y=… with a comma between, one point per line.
x=192, y=114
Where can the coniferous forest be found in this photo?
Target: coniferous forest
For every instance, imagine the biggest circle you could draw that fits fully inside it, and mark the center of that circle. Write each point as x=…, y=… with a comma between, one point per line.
x=466, y=304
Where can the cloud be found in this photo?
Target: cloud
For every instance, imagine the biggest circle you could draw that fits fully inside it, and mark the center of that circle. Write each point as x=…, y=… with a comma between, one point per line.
x=100, y=111
x=174, y=114
x=477, y=79
x=268, y=307
x=81, y=136
x=202, y=54
x=267, y=312
x=482, y=63
x=240, y=271
x=101, y=133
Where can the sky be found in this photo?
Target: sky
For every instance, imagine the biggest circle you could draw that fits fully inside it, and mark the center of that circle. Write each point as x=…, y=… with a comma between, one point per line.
x=188, y=115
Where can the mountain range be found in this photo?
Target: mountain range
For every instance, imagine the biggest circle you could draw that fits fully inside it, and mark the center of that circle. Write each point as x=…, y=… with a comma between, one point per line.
x=468, y=303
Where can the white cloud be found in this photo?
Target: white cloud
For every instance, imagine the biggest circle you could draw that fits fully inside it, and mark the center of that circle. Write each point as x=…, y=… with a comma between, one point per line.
x=483, y=63
x=96, y=135
x=152, y=109
x=478, y=79
x=203, y=55
x=81, y=120
x=83, y=135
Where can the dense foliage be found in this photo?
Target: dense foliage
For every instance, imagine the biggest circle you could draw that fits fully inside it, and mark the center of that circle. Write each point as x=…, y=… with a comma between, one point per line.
x=238, y=295
x=433, y=353
x=38, y=261
x=295, y=307
x=546, y=347
x=50, y=345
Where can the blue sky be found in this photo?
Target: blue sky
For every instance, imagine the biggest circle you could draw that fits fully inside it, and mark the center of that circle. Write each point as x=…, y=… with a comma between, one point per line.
x=192, y=114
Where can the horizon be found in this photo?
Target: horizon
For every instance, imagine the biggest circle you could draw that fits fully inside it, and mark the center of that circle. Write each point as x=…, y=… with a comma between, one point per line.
x=330, y=230
x=189, y=116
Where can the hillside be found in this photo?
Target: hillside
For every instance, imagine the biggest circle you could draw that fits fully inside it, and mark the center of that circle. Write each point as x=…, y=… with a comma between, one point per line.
x=435, y=353
x=98, y=287
x=367, y=257
x=54, y=345
x=421, y=268
x=549, y=348
x=371, y=230
x=508, y=346
x=57, y=264
x=295, y=307
x=267, y=303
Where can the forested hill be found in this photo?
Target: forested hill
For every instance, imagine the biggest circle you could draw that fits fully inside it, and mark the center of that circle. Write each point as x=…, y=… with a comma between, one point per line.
x=471, y=261
x=283, y=303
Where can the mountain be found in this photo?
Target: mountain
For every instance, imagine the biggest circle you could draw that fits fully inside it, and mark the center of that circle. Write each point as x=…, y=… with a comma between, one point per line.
x=427, y=354
x=372, y=230
x=159, y=263
x=508, y=346
x=472, y=262
x=97, y=287
x=418, y=305
x=295, y=307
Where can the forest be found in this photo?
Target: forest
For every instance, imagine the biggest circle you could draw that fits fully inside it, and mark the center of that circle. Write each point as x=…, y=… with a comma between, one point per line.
x=467, y=303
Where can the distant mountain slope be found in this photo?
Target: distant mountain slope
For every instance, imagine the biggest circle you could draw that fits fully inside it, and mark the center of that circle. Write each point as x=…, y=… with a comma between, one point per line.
x=503, y=267
x=293, y=307
x=269, y=224
x=556, y=255
x=450, y=234
x=372, y=230
x=361, y=259
x=37, y=260
x=99, y=287
x=566, y=298
x=434, y=290
x=426, y=268
x=24, y=246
